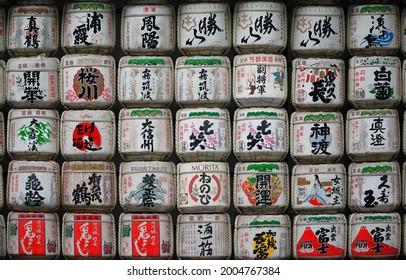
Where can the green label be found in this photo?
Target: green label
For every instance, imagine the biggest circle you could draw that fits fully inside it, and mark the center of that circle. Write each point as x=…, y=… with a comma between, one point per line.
x=145, y=61
x=204, y=114
x=323, y=218
x=377, y=169
x=42, y=132
x=378, y=218
x=203, y=61
x=376, y=9
x=146, y=112
x=376, y=112
x=319, y=117
x=265, y=223
x=126, y=230
x=263, y=167
x=262, y=114
x=69, y=231
x=88, y=5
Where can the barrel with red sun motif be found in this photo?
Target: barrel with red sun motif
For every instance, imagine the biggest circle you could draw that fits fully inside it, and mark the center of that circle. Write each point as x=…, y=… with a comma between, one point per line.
x=319, y=236
x=145, y=236
x=88, y=135
x=88, y=236
x=33, y=235
x=374, y=235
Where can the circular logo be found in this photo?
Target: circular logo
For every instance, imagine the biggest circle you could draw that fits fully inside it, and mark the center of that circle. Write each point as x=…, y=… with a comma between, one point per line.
x=356, y=146
x=241, y=146
x=301, y=95
x=125, y=247
x=183, y=146
x=359, y=94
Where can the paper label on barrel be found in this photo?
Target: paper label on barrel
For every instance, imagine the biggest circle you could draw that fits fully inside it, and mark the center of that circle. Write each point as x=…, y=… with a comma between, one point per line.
x=373, y=27
x=204, y=30
x=203, y=83
x=203, y=239
x=146, y=132
x=88, y=238
x=262, y=187
x=258, y=135
x=261, y=79
x=145, y=84
x=88, y=25
x=147, y=191
x=88, y=137
x=33, y=133
x=88, y=235
x=376, y=134
x=317, y=137
x=261, y=243
x=317, y=190
x=145, y=236
x=380, y=82
x=203, y=188
x=375, y=240
x=150, y=30
x=33, y=86
x=88, y=189
x=317, y=32
x=319, y=84
x=32, y=237
x=89, y=84
x=32, y=190
x=323, y=240
x=260, y=28
x=375, y=191
x=33, y=29
x=200, y=134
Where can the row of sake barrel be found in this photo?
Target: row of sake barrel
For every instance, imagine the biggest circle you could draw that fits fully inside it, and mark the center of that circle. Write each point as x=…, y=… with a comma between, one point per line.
x=257, y=80
x=204, y=187
x=205, y=29
x=202, y=236
x=204, y=134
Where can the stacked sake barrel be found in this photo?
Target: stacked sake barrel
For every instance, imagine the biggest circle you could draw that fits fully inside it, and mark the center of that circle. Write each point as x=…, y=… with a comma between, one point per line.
x=3, y=20
x=147, y=181
x=260, y=134
x=87, y=85
x=33, y=180
x=373, y=131
x=203, y=130
x=318, y=184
